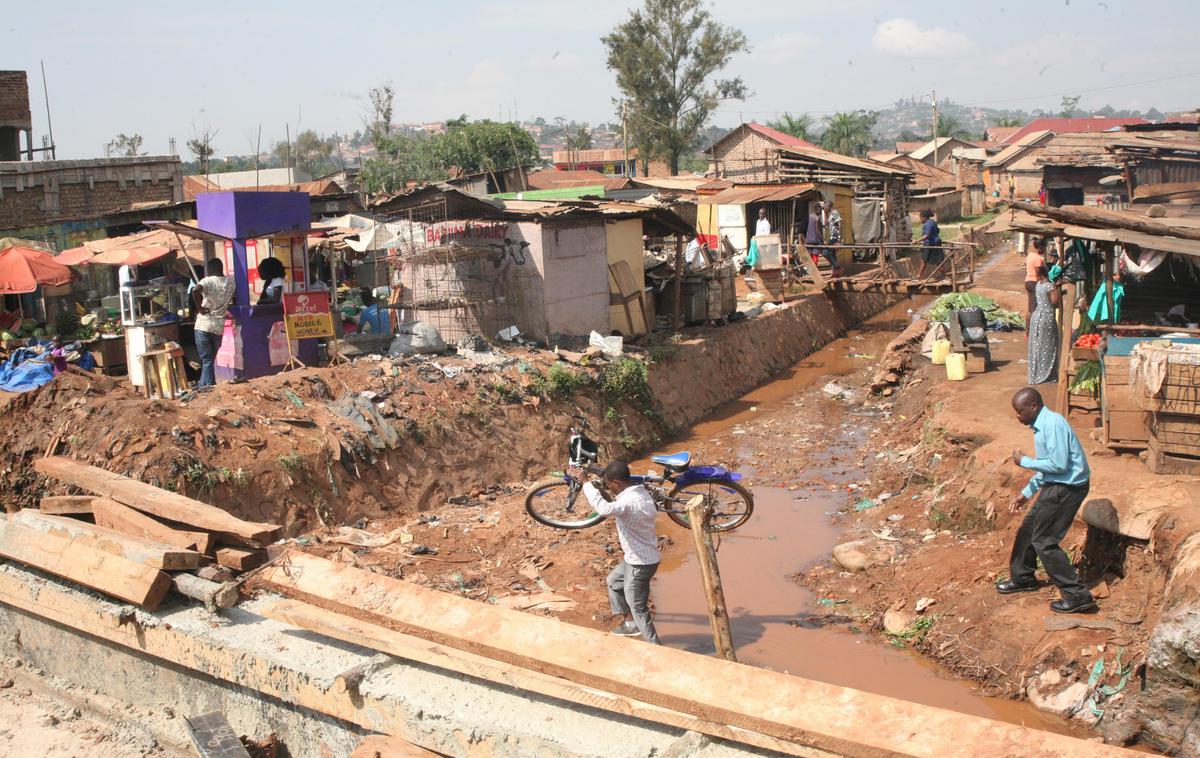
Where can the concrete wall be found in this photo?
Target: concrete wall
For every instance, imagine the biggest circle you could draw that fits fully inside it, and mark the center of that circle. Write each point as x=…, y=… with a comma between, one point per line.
x=528, y=290
x=623, y=241
x=575, y=263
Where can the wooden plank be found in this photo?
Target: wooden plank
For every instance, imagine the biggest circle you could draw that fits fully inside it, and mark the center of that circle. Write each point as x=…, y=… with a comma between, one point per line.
x=408, y=647
x=153, y=500
x=810, y=266
x=382, y=746
x=802, y=711
x=81, y=563
x=213, y=737
x=137, y=549
x=241, y=558
x=113, y=515
x=67, y=505
x=1064, y=345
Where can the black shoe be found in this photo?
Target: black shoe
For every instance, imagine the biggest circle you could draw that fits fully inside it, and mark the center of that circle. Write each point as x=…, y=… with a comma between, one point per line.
x=1078, y=605
x=1009, y=587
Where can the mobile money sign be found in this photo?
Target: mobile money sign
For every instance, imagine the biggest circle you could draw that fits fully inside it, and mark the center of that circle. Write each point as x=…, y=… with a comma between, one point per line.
x=306, y=315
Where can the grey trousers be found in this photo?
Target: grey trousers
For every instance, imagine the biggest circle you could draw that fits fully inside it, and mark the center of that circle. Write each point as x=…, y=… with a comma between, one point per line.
x=629, y=594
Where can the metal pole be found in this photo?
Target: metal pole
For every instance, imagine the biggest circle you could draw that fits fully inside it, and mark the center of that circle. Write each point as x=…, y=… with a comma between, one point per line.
x=935, y=129
x=49, y=126
x=710, y=574
x=625, y=135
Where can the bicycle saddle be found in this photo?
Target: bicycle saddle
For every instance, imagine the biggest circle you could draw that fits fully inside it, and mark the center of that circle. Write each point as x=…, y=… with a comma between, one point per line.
x=675, y=460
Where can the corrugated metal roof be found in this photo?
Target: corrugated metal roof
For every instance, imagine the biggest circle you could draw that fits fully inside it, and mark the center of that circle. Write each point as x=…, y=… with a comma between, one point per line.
x=1073, y=126
x=844, y=161
x=741, y=195
x=1014, y=151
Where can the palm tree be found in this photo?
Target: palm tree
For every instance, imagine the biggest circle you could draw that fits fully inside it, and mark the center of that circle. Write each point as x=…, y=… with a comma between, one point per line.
x=848, y=133
x=949, y=126
x=797, y=126
x=576, y=140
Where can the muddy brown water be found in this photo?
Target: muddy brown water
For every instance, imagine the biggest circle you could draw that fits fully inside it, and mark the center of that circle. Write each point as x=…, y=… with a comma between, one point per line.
x=777, y=623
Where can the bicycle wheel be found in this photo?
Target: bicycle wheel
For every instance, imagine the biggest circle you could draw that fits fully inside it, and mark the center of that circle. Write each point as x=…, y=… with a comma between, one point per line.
x=732, y=503
x=560, y=504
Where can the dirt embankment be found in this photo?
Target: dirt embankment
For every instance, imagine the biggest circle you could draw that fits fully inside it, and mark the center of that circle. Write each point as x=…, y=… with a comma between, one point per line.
x=941, y=540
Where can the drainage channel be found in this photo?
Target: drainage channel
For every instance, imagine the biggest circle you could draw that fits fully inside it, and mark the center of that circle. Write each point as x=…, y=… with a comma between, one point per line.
x=777, y=623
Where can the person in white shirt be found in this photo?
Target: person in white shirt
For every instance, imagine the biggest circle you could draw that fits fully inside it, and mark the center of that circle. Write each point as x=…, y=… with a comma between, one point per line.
x=763, y=226
x=629, y=583
x=126, y=275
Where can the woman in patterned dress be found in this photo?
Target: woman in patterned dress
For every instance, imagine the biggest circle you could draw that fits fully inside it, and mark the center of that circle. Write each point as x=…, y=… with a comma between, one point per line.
x=1043, y=330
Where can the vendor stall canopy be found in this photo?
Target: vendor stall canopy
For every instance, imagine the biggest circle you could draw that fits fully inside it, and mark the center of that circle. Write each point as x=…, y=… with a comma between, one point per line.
x=24, y=268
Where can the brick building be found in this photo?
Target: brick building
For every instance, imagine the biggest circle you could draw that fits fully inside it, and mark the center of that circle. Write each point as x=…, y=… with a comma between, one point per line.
x=15, y=118
x=68, y=202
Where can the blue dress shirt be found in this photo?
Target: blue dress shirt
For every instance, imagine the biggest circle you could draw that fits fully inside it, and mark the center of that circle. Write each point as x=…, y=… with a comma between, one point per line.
x=1060, y=458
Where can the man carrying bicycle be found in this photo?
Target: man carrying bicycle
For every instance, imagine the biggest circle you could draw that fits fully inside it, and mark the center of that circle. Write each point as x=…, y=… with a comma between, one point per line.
x=629, y=583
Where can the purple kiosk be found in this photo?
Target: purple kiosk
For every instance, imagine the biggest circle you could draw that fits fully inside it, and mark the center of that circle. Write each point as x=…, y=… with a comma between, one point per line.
x=255, y=224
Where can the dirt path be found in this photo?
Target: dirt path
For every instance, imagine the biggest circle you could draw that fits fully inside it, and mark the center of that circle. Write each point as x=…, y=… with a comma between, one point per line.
x=31, y=725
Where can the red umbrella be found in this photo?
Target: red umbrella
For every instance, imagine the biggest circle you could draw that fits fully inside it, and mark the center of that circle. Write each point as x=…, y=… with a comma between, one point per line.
x=132, y=256
x=22, y=269
x=76, y=256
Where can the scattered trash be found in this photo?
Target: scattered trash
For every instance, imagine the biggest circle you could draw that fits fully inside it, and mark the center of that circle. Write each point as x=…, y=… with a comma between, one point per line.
x=924, y=603
x=417, y=337
x=509, y=334
x=835, y=390
x=613, y=347
x=865, y=504
x=828, y=601
x=293, y=398
x=348, y=535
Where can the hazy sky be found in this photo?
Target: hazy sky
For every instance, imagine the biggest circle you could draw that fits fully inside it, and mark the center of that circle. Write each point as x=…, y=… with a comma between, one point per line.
x=164, y=69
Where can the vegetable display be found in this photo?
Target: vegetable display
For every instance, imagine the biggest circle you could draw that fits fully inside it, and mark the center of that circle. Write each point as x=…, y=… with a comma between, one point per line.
x=1088, y=340
x=1087, y=379
x=955, y=301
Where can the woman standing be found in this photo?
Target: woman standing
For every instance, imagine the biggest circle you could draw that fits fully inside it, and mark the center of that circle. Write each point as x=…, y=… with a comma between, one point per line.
x=1043, y=330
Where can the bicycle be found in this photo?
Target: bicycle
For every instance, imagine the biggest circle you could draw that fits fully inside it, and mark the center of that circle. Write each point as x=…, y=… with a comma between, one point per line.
x=558, y=501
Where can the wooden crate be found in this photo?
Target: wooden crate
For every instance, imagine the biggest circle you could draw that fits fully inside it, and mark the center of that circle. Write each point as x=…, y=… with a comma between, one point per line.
x=977, y=359
x=1179, y=394
x=108, y=352
x=1178, y=435
x=767, y=281
x=1116, y=369
x=1081, y=354
x=1161, y=461
x=1126, y=426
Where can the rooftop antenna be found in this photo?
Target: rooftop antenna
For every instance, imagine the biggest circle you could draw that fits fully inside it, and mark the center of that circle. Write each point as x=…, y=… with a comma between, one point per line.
x=257, y=153
x=49, y=125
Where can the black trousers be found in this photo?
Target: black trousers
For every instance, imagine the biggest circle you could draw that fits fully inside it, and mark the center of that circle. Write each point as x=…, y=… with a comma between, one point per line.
x=1039, y=534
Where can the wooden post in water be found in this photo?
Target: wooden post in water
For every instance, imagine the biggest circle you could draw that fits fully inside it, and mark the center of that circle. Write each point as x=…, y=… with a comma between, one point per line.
x=1064, y=347
x=706, y=555
x=677, y=286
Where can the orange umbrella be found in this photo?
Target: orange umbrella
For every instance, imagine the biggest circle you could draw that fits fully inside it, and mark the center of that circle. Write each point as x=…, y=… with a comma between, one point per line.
x=22, y=269
x=76, y=256
x=132, y=256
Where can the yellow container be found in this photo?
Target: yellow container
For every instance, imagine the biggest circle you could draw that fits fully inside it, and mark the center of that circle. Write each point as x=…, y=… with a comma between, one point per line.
x=956, y=367
x=941, y=348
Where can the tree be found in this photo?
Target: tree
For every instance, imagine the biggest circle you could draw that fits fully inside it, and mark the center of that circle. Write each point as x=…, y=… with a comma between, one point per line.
x=468, y=146
x=126, y=146
x=950, y=126
x=311, y=153
x=1070, y=106
x=577, y=139
x=665, y=56
x=849, y=133
x=1009, y=121
x=797, y=126
x=380, y=124
x=202, y=147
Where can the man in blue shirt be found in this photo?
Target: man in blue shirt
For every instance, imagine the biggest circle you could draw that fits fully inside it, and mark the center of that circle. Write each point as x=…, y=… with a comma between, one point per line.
x=1060, y=481
x=931, y=241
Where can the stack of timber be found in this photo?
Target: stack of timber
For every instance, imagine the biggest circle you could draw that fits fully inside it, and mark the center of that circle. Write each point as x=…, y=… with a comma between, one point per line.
x=720, y=698
x=133, y=541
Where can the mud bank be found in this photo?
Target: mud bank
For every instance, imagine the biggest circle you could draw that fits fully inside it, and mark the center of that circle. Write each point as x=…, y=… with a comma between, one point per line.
x=1128, y=672
x=716, y=366
x=276, y=449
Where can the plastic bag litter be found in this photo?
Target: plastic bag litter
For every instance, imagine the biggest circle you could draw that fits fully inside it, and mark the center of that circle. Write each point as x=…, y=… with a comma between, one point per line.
x=417, y=337
x=613, y=347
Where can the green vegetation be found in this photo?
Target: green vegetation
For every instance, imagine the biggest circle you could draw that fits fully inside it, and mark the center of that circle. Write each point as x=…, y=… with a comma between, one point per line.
x=665, y=55
x=471, y=147
x=958, y=300
x=1087, y=379
x=627, y=380
x=849, y=133
x=798, y=126
x=290, y=463
x=914, y=632
x=205, y=478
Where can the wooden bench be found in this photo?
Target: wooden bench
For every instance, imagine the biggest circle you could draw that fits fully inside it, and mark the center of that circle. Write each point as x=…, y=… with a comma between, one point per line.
x=155, y=364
